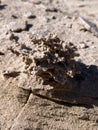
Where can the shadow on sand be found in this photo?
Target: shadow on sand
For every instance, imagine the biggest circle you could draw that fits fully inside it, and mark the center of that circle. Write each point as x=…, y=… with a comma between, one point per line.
x=82, y=91
x=2, y=7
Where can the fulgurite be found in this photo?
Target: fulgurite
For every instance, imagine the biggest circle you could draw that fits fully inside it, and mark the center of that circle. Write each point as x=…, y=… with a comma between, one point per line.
x=49, y=68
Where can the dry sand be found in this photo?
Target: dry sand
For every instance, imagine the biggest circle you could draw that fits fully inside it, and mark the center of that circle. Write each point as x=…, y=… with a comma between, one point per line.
x=21, y=19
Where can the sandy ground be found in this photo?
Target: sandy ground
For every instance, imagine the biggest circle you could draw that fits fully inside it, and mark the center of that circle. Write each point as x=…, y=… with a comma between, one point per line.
x=20, y=110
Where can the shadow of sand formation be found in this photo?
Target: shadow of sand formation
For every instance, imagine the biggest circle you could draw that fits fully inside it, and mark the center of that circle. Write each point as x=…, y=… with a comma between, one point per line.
x=82, y=90
x=2, y=7
x=29, y=26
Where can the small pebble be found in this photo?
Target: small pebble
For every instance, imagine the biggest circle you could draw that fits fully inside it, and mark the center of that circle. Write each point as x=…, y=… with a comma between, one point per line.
x=29, y=15
x=83, y=45
x=10, y=73
x=14, y=16
x=17, y=26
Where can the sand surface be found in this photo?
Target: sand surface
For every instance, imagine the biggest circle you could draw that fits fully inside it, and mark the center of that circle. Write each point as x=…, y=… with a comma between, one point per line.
x=22, y=19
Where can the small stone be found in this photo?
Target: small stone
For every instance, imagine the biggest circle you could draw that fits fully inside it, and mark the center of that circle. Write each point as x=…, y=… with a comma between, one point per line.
x=29, y=15
x=52, y=10
x=14, y=16
x=10, y=73
x=17, y=26
x=83, y=46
